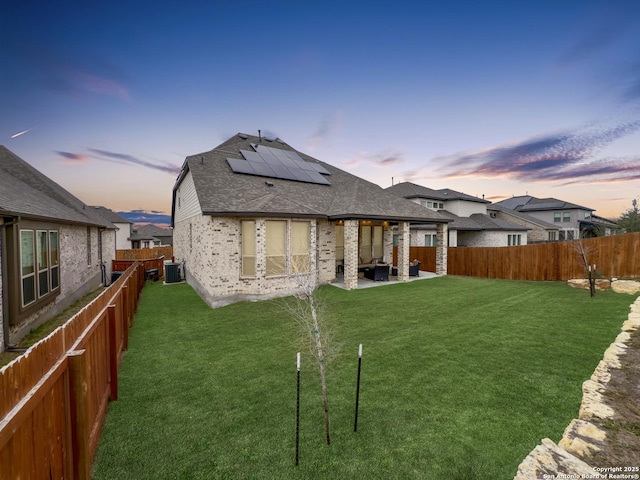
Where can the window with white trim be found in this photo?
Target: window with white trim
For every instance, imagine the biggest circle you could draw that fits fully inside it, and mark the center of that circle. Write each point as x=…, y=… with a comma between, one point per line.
x=276, y=247
x=287, y=247
x=513, y=240
x=248, y=240
x=39, y=264
x=300, y=247
x=430, y=240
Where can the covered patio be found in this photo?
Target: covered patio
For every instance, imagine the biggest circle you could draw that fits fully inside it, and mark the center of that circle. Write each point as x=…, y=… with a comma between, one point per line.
x=369, y=241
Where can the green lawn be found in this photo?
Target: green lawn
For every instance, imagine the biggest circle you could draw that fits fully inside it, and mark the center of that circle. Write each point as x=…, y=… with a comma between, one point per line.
x=461, y=378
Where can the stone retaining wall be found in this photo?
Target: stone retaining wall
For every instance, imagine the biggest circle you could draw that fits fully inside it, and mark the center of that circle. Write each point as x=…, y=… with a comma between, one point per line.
x=604, y=436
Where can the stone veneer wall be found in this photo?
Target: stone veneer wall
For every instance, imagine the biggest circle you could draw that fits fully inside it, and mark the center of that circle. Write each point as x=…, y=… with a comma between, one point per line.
x=584, y=440
x=77, y=279
x=210, y=248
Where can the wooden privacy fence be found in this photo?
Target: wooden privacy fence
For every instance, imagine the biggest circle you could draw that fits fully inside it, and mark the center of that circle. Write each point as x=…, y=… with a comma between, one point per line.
x=614, y=256
x=149, y=264
x=53, y=399
x=145, y=253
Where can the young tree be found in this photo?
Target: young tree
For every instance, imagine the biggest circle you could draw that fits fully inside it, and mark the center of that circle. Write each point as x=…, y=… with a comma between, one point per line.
x=629, y=221
x=307, y=310
x=585, y=252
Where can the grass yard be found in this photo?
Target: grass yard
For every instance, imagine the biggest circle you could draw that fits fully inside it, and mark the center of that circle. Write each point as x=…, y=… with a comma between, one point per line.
x=461, y=378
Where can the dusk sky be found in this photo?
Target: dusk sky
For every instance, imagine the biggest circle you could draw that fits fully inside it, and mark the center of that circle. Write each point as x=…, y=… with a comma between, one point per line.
x=494, y=98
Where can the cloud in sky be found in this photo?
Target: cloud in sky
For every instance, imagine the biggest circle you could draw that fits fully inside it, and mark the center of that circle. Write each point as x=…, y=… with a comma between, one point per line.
x=386, y=158
x=122, y=158
x=74, y=157
x=565, y=156
x=165, y=167
x=325, y=128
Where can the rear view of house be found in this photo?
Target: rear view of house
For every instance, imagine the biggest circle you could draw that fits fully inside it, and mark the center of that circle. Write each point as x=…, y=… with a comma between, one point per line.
x=54, y=249
x=255, y=217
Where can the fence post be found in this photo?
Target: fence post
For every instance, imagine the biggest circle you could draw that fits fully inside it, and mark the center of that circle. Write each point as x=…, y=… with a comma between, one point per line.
x=113, y=352
x=79, y=414
x=125, y=313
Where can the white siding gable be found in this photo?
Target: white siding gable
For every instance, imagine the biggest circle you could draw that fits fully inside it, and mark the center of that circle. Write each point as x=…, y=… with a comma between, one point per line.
x=464, y=208
x=187, y=204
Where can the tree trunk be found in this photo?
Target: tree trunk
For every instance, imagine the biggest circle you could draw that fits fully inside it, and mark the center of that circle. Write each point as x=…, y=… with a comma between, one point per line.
x=323, y=384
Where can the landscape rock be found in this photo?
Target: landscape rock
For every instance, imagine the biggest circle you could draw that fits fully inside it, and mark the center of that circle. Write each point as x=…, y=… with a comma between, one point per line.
x=593, y=405
x=632, y=323
x=550, y=459
x=582, y=438
x=601, y=283
x=626, y=286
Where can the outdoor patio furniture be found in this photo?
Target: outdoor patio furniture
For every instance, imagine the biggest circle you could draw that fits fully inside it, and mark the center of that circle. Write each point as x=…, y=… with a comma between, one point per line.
x=414, y=270
x=152, y=274
x=377, y=272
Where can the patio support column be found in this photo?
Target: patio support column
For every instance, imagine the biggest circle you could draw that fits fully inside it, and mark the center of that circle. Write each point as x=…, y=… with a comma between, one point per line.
x=403, y=251
x=442, y=236
x=351, y=254
x=387, y=244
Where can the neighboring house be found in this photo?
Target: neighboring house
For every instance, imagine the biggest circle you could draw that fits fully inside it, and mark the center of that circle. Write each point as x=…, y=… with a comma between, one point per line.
x=539, y=230
x=123, y=227
x=54, y=249
x=598, y=227
x=149, y=236
x=254, y=218
x=471, y=225
x=573, y=221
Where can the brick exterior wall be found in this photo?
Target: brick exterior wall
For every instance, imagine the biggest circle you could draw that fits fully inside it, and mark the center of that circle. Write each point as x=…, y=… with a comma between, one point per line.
x=326, y=251
x=442, y=232
x=403, y=251
x=488, y=239
x=210, y=248
x=77, y=279
x=351, y=257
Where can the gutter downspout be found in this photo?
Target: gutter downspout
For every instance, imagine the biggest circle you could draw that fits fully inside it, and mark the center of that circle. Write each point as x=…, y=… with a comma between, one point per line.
x=103, y=268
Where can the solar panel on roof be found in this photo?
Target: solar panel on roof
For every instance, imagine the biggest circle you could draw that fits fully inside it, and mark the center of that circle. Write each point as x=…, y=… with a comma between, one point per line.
x=278, y=163
x=251, y=156
x=240, y=166
x=319, y=168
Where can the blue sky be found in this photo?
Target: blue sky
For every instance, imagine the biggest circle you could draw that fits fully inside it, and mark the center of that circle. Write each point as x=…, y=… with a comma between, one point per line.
x=494, y=98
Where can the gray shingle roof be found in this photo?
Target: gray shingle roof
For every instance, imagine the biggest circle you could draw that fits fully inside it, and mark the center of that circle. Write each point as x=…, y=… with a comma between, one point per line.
x=527, y=203
x=411, y=190
x=523, y=216
x=220, y=191
x=110, y=215
x=26, y=192
x=478, y=222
